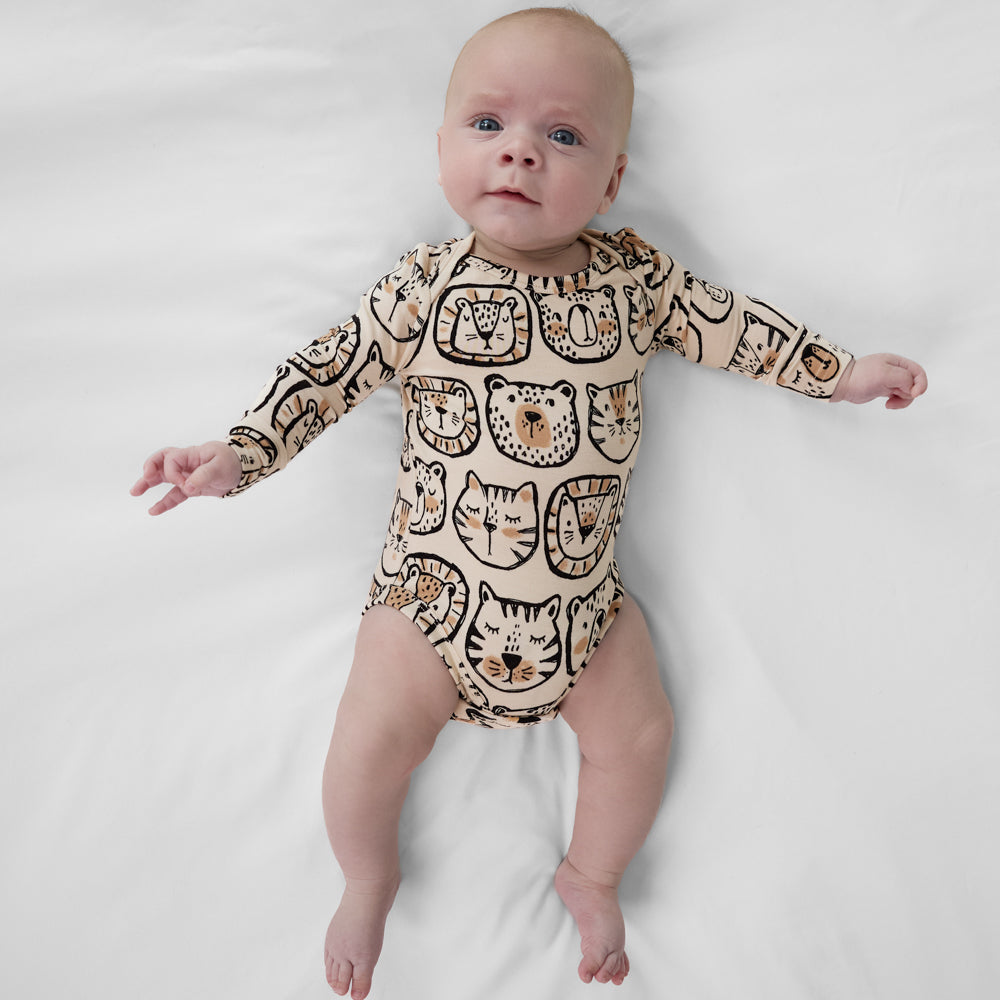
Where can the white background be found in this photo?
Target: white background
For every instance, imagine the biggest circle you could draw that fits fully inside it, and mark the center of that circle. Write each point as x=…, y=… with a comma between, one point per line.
x=193, y=190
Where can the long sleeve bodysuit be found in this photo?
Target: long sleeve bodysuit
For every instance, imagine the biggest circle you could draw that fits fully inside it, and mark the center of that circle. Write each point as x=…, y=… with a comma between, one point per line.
x=522, y=412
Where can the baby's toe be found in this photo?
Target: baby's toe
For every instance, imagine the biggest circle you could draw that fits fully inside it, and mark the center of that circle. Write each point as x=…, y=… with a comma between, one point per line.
x=362, y=982
x=339, y=977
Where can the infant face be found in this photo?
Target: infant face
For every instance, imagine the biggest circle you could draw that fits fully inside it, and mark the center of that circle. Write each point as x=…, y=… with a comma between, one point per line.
x=531, y=144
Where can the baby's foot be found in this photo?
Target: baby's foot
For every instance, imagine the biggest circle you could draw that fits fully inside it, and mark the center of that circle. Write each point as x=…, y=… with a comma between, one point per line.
x=354, y=938
x=599, y=920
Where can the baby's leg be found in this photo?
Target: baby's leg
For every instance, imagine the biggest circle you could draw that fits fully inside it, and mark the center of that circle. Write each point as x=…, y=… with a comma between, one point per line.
x=624, y=724
x=398, y=697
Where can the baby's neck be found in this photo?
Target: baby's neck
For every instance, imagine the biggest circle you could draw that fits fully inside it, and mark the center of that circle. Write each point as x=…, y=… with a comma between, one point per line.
x=547, y=263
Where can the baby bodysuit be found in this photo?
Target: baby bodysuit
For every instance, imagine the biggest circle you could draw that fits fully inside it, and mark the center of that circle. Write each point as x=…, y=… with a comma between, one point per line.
x=522, y=414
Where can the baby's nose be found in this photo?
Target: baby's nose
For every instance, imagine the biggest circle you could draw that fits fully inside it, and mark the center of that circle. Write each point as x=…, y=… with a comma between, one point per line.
x=526, y=158
x=520, y=149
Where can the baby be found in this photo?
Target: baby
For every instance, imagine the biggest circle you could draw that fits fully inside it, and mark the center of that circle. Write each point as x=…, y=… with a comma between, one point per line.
x=520, y=349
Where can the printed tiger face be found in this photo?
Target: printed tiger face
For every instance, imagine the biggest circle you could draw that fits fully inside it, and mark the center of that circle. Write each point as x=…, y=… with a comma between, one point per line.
x=512, y=645
x=613, y=419
x=498, y=525
x=447, y=418
x=533, y=424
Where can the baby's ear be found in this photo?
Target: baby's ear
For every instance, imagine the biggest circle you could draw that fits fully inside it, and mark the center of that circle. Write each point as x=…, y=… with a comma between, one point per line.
x=614, y=184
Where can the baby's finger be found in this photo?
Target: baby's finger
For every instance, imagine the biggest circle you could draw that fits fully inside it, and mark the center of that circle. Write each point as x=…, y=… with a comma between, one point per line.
x=175, y=497
x=152, y=474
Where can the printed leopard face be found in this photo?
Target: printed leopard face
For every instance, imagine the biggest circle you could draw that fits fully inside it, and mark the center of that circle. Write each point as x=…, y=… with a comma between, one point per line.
x=512, y=645
x=481, y=325
x=447, y=418
x=533, y=424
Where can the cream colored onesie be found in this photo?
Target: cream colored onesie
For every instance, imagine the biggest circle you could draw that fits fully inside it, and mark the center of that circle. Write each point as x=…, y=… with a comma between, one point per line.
x=522, y=409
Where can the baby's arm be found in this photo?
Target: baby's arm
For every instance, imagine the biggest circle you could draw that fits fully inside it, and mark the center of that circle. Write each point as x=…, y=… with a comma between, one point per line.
x=205, y=470
x=877, y=375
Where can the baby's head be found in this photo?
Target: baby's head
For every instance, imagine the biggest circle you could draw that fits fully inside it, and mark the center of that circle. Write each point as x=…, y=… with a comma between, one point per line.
x=536, y=120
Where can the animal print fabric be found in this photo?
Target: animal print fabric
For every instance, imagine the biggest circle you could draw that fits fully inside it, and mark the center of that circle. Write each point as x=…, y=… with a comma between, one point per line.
x=522, y=409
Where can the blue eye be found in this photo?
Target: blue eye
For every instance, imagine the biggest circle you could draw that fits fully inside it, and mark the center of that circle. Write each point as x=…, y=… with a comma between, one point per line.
x=564, y=137
x=486, y=125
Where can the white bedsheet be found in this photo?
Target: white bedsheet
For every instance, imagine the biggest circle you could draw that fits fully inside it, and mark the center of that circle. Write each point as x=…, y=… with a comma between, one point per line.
x=193, y=190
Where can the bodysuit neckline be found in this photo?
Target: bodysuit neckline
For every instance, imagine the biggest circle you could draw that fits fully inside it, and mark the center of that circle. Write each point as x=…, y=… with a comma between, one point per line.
x=526, y=280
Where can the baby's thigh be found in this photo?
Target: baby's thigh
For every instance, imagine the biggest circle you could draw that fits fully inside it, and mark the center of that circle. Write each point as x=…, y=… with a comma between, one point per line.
x=620, y=694
x=399, y=690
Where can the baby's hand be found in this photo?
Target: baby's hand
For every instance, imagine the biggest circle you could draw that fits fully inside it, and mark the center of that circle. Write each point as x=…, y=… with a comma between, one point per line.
x=205, y=470
x=876, y=375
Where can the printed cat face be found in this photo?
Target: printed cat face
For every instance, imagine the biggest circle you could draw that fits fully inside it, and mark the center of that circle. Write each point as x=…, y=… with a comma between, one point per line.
x=512, y=645
x=396, y=300
x=498, y=525
x=758, y=349
x=373, y=373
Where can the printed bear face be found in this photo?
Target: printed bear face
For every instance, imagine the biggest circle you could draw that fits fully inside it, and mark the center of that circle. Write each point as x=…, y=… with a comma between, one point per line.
x=533, y=424
x=429, y=505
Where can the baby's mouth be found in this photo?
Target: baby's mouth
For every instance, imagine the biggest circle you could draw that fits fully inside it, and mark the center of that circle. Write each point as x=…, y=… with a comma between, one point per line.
x=512, y=194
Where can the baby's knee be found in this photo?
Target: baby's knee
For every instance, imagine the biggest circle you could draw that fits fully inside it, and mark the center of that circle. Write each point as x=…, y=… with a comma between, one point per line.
x=653, y=734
